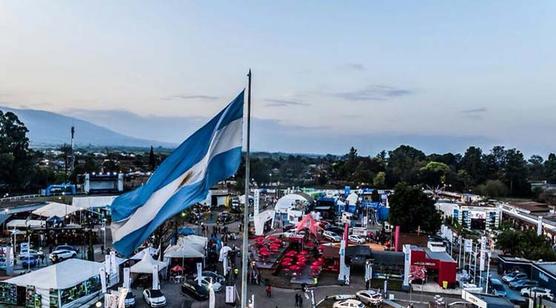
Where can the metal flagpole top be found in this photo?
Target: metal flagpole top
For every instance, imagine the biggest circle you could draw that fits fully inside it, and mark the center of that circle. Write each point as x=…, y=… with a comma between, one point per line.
x=245, y=246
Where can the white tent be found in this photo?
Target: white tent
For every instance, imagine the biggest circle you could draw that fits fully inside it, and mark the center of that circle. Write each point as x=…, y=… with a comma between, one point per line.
x=92, y=202
x=139, y=256
x=288, y=201
x=178, y=251
x=24, y=223
x=352, y=198
x=59, y=276
x=145, y=266
x=55, y=209
x=199, y=243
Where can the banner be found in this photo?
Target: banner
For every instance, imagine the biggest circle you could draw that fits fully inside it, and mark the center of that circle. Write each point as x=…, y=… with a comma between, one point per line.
x=113, y=263
x=468, y=245
x=256, y=202
x=230, y=294
x=24, y=248
x=199, y=272
x=107, y=263
x=156, y=283
x=127, y=282
x=483, y=253
x=102, y=279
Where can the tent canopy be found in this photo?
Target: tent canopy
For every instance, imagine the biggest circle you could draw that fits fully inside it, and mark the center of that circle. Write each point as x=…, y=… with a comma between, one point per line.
x=55, y=209
x=62, y=275
x=178, y=251
x=197, y=242
x=288, y=201
x=92, y=202
x=23, y=223
x=139, y=256
x=146, y=265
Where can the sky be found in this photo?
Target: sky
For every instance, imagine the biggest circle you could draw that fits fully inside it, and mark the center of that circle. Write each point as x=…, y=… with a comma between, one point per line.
x=440, y=75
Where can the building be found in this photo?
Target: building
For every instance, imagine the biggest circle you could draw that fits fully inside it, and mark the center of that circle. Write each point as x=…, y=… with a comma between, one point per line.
x=543, y=272
x=102, y=183
x=473, y=217
x=439, y=264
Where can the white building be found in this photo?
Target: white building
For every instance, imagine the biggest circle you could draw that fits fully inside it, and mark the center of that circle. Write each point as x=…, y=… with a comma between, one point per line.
x=473, y=217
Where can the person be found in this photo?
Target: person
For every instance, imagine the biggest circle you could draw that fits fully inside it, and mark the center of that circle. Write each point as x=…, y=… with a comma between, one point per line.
x=296, y=300
x=268, y=291
x=236, y=272
x=300, y=301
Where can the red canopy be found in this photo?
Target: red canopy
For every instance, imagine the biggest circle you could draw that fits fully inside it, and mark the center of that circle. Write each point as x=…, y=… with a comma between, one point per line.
x=309, y=223
x=177, y=268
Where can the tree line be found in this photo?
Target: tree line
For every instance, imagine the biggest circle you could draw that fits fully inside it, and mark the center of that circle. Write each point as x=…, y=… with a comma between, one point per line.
x=495, y=173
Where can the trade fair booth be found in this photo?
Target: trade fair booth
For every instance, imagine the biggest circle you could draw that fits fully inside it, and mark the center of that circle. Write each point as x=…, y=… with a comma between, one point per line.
x=71, y=283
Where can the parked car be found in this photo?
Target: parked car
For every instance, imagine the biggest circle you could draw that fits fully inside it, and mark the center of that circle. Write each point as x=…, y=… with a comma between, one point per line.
x=348, y=303
x=129, y=300
x=537, y=292
x=331, y=236
x=193, y=289
x=357, y=239
x=215, y=277
x=497, y=287
x=27, y=260
x=205, y=281
x=370, y=297
x=513, y=276
x=62, y=253
x=154, y=298
x=524, y=283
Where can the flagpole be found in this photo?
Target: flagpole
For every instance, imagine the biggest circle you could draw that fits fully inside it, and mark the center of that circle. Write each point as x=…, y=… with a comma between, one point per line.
x=244, y=250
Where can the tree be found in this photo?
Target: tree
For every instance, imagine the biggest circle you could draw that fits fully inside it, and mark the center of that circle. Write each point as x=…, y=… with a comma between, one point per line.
x=536, y=168
x=525, y=244
x=16, y=166
x=434, y=173
x=493, y=189
x=550, y=168
x=152, y=159
x=472, y=164
x=411, y=208
x=515, y=173
x=379, y=180
x=403, y=165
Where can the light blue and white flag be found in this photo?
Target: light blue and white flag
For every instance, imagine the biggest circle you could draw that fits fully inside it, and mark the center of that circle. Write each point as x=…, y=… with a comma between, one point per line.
x=211, y=154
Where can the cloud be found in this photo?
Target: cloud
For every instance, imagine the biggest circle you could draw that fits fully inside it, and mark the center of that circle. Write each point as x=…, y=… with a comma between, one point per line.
x=355, y=67
x=191, y=97
x=272, y=102
x=374, y=93
x=475, y=110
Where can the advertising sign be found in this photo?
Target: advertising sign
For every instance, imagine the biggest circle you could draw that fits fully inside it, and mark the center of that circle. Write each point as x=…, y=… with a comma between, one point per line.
x=468, y=245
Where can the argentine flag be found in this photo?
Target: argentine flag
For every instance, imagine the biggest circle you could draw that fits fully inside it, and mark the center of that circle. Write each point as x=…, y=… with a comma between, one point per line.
x=211, y=154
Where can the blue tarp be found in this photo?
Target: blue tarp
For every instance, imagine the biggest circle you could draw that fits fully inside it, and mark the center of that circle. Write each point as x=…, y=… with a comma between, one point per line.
x=185, y=231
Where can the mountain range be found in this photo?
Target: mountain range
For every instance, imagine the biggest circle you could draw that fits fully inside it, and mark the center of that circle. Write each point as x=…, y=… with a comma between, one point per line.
x=51, y=129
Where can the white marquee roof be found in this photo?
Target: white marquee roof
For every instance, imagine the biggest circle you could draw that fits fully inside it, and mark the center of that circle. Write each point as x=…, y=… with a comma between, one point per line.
x=55, y=209
x=145, y=266
x=62, y=275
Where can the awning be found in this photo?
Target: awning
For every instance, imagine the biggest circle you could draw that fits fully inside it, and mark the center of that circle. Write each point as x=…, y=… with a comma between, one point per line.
x=62, y=275
x=55, y=209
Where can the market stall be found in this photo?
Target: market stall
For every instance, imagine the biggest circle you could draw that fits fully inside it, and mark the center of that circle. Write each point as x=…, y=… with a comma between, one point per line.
x=67, y=284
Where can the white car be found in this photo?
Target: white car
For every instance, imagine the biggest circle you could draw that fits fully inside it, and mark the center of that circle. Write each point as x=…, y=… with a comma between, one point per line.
x=205, y=281
x=154, y=298
x=331, y=236
x=357, y=239
x=62, y=254
x=538, y=292
x=371, y=297
x=348, y=303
